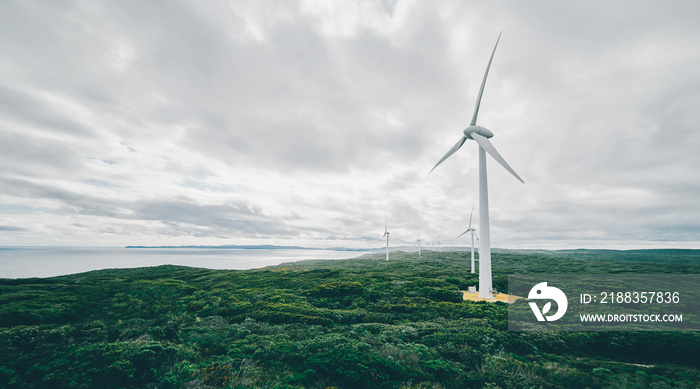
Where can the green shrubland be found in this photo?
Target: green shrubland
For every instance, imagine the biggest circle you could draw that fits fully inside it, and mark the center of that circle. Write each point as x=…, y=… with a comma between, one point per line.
x=357, y=323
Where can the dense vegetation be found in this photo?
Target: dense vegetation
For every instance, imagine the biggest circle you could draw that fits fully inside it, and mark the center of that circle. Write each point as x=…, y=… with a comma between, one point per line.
x=358, y=323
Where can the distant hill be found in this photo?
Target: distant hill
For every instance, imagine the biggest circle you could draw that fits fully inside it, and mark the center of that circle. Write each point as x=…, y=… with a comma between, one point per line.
x=677, y=256
x=248, y=247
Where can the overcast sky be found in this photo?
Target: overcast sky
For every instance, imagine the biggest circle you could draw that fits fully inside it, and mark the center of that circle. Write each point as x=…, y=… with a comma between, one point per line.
x=313, y=122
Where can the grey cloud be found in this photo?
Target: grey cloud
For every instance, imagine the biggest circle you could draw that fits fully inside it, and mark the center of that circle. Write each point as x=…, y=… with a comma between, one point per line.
x=35, y=156
x=71, y=201
x=585, y=95
x=12, y=229
x=315, y=98
x=221, y=220
x=314, y=91
x=19, y=106
x=234, y=218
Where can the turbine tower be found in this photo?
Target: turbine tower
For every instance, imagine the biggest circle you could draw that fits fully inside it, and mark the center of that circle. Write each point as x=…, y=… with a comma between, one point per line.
x=386, y=233
x=481, y=136
x=418, y=242
x=472, y=230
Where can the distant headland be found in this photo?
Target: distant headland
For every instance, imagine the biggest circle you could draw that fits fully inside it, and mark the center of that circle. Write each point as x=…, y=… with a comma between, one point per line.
x=249, y=247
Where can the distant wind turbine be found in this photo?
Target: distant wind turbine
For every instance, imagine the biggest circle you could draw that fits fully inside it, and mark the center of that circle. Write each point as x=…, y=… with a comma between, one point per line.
x=386, y=233
x=418, y=242
x=472, y=230
x=481, y=136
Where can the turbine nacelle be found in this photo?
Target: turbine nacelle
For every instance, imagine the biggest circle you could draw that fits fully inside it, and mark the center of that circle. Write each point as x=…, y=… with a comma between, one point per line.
x=486, y=133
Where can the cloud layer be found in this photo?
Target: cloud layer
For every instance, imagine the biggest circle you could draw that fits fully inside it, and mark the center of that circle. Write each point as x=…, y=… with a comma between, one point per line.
x=313, y=122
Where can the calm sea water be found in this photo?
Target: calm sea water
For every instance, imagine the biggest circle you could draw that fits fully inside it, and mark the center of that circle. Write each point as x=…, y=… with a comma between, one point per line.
x=25, y=262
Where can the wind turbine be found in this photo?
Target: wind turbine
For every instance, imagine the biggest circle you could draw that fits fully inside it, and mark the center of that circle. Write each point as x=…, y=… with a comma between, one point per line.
x=418, y=242
x=386, y=233
x=472, y=230
x=481, y=136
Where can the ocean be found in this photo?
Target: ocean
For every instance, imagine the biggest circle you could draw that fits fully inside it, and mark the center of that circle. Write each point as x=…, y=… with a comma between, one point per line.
x=27, y=262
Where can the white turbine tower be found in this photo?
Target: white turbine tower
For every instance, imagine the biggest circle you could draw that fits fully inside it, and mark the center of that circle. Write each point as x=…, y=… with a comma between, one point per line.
x=472, y=230
x=481, y=135
x=418, y=242
x=386, y=233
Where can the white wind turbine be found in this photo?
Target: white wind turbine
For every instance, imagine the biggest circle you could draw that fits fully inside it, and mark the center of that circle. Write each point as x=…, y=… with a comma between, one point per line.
x=418, y=242
x=472, y=230
x=481, y=135
x=386, y=233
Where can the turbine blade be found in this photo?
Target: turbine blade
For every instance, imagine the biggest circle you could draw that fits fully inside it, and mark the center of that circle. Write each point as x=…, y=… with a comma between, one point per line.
x=483, y=82
x=452, y=151
x=470, y=220
x=488, y=147
x=462, y=234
